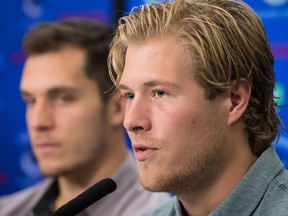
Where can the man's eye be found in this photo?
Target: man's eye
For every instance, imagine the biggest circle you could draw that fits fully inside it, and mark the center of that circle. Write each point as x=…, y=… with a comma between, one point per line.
x=65, y=98
x=129, y=96
x=159, y=93
x=29, y=101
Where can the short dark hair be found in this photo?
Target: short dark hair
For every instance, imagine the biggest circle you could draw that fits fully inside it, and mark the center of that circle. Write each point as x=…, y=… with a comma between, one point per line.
x=90, y=35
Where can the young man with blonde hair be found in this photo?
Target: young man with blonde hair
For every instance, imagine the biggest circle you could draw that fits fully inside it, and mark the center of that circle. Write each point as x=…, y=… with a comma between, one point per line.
x=198, y=80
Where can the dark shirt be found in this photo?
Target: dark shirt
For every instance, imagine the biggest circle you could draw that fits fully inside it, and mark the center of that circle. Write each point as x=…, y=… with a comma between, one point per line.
x=46, y=205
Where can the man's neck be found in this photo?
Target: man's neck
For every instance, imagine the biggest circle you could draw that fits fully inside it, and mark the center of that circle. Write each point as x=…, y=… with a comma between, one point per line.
x=207, y=198
x=72, y=184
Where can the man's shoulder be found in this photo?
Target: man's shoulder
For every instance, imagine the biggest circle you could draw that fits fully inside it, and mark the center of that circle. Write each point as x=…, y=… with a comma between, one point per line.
x=275, y=200
x=280, y=186
x=27, y=192
x=283, y=175
x=22, y=200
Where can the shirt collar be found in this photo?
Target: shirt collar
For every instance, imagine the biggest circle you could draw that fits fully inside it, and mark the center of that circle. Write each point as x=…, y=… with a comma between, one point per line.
x=251, y=189
x=45, y=205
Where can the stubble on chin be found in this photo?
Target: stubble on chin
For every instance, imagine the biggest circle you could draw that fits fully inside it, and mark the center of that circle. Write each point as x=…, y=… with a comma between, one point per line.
x=155, y=179
x=195, y=175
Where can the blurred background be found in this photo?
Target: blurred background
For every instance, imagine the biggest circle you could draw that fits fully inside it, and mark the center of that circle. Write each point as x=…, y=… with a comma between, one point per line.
x=18, y=168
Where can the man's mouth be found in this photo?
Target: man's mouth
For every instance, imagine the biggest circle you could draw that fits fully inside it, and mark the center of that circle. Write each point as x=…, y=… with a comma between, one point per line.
x=142, y=153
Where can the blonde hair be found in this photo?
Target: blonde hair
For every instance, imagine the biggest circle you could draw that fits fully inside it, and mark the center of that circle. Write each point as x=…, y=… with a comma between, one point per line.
x=224, y=40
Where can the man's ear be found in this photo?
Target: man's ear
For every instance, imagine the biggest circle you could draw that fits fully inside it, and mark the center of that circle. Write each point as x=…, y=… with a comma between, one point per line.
x=239, y=98
x=115, y=109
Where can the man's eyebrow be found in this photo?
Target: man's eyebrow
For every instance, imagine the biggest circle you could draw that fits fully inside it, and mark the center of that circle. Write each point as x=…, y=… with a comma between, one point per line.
x=123, y=87
x=160, y=82
x=61, y=89
x=151, y=84
x=52, y=91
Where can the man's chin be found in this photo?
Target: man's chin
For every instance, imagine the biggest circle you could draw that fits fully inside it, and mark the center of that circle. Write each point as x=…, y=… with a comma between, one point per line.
x=50, y=172
x=153, y=186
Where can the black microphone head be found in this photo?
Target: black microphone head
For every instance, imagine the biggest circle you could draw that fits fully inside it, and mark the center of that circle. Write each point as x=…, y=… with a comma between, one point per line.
x=87, y=198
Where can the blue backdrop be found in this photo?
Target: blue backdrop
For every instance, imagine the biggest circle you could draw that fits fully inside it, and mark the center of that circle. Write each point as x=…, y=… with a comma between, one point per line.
x=18, y=168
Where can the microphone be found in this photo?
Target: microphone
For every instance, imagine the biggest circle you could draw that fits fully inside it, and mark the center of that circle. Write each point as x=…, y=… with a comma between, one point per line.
x=86, y=198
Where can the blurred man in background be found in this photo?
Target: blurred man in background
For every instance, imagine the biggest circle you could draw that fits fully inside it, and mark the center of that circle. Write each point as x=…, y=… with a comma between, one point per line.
x=75, y=123
x=198, y=80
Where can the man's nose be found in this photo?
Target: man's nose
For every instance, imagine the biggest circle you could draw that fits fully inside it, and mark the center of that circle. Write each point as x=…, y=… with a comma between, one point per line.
x=137, y=116
x=40, y=116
